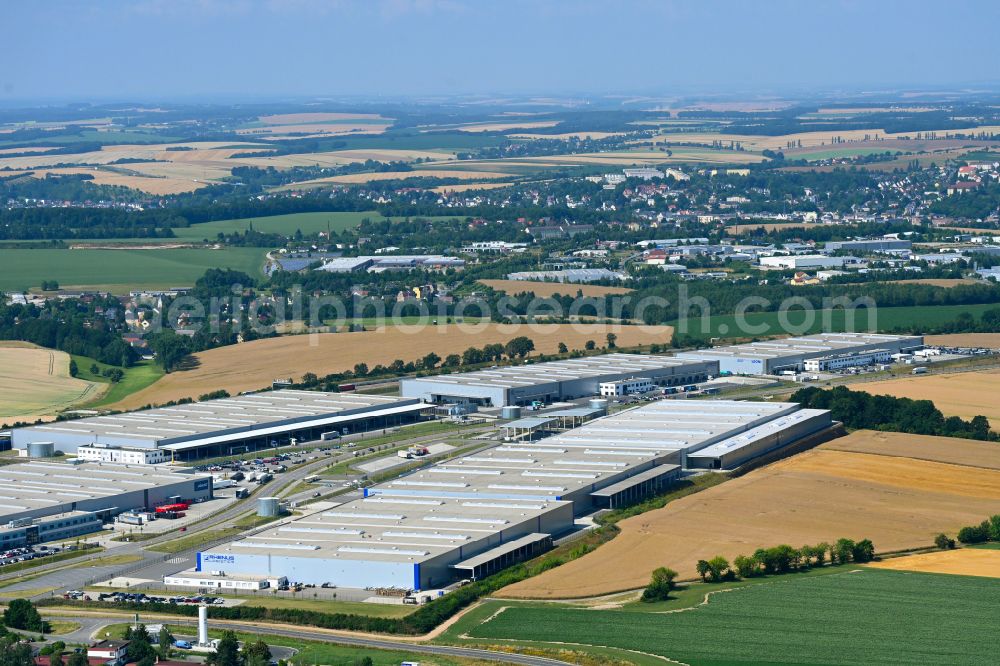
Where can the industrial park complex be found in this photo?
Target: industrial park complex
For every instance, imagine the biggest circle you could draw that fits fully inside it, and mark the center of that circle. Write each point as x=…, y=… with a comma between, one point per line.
x=473, y=515
x=462, y=518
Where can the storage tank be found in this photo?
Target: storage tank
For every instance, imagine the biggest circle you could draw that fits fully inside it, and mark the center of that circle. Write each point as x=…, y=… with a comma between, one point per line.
x=41, y=449
x=268, y=507
x=510, y=412
x=600, y=404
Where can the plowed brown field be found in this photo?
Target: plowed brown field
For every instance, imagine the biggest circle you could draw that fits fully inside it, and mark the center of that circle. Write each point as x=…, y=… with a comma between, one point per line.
x=869, y=491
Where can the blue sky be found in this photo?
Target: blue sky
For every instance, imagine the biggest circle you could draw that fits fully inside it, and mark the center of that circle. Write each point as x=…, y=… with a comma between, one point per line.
x=168, y=49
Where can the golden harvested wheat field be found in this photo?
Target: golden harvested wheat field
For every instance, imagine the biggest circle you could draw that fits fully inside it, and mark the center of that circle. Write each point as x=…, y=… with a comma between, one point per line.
x=962, y=562
x=807, y=139
x=502, y=127
x=596, y=136
x=254, y=365
x=870, y=491
x=971, y=230
x=356, y=178
x=964, y=394
x=315, y=129
x=204, y=163
x=740, y=229
x=317, y=117
x=468, y=187
x=546, y=289
x=679, y=155
x=35, y=383
x=984, y=340
x=947, y=283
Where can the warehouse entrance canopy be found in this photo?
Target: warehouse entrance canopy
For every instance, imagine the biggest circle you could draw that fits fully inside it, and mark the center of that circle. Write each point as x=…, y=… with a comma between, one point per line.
x=527, y=427
x=501, y=557
x=636, y=487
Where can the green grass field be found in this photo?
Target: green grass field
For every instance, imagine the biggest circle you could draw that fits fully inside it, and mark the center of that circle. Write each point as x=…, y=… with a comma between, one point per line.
x=307, y=223
x=138, y=377
x=835, y=153
x=119, y=271
x=912, y=318
x=862, y=616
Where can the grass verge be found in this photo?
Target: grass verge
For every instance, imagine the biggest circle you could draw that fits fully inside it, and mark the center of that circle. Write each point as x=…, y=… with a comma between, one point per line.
x=195, y=540
x=136, y=378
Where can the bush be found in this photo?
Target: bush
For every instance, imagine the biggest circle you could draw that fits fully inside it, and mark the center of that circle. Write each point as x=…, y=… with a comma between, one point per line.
x=785, y=559
x=660, y=585
x=943, y=542
x=994, y=525
x=21, y=614
x=975, y=533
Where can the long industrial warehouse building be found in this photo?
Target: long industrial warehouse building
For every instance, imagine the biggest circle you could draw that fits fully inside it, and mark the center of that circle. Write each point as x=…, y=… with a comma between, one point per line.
x=478, y=513
x=228, y=426
x=554, y=380
x=772, y=356
x=47, y=501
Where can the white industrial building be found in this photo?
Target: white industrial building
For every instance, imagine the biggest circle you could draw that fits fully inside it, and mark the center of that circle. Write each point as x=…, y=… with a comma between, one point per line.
x=870, y=245
x=733, y=451
x=47, y=501
x=848, y=360
x=573, y=275
x=628, y=386
x=228, y=426
x=773, y=356
x=554, y=380
x=219, y=582
x=390, y=262
x=473, y=515
x=800, y=261
x=122, y=454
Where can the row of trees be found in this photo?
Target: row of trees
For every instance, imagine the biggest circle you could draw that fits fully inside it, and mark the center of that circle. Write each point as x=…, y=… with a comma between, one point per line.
x=856, y=409
x=772, y=561
x=516, y=348
x=988, y=530
x=784, y=559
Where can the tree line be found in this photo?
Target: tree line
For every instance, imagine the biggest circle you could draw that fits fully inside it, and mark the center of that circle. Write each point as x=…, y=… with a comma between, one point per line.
x=71, y=326
x=988, y=530
x=857, y=410
x=773, y=561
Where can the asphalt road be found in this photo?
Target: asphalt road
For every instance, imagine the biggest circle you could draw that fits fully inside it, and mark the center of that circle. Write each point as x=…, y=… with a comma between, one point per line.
x=355, y=641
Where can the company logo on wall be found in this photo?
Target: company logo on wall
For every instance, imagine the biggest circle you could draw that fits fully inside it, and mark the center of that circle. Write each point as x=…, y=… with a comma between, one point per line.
x=202, y=485
x=219, y=559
